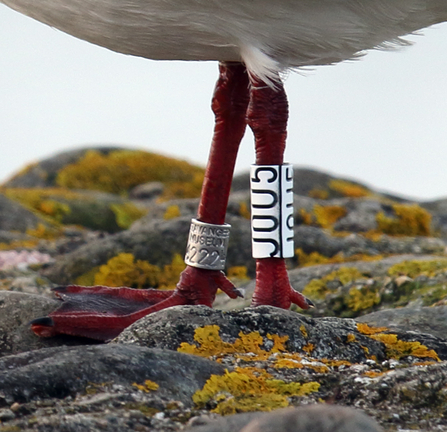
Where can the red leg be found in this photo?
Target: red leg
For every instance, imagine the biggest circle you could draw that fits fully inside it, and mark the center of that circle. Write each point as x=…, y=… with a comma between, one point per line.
x=267, y=117
x=102, y=312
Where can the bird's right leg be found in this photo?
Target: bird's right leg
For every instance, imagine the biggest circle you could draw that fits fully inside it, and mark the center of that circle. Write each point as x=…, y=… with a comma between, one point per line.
x=102, y=312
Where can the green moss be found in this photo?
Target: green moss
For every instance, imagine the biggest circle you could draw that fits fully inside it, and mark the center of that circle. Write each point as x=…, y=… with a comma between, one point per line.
x=409, y=220
x=126, y=214
x=120, y=170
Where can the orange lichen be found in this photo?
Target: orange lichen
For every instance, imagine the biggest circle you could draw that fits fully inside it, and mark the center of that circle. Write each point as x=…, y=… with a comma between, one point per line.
x=372, y=374
x=367, y=330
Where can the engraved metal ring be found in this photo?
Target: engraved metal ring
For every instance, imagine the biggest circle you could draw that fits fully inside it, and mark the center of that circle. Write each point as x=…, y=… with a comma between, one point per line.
x=207, y=245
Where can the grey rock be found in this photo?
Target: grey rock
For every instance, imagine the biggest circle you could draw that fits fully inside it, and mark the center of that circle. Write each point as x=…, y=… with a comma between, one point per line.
x=314, y=418
x=15, y=217
x=431, y=320
x=64, y=371
x=170, y=327
x=16, y=311
x=308, y=418
x=44, y=173
x=147, y=190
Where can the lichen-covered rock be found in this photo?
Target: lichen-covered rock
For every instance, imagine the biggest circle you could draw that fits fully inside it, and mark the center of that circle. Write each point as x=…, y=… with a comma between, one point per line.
x=113, y=170
x=15, y=217
x=64, y=371
x=431, y=320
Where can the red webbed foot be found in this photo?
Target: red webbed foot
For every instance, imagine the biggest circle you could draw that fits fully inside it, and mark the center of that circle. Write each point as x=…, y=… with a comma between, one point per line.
x=273, y=287
x=102, y=313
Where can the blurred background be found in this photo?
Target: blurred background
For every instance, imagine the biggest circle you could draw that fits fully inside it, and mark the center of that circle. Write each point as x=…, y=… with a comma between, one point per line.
x=380, y=120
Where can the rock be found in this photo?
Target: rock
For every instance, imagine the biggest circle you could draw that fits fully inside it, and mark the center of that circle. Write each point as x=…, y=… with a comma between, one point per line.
x=171, y=327
x=431, y=320
x=43, y=174
x=153, y=240
x=315, y=418
x=147, y=191
x=14, y=217
x=16, y=311
x=63, y=371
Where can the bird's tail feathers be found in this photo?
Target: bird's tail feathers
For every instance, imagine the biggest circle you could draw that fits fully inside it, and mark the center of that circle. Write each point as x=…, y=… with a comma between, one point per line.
x=260, y=65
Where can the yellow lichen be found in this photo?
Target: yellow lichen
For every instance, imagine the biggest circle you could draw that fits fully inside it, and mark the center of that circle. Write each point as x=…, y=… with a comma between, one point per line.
x=306, y=217
x=172, y=212
x=244, y=211
x=238, y=273
x=120, y=170
x=126, y=214
x=362, y=298
x=416, y=268
x=410, y=220
x=147, y=387
x=245, y=391
x=308, y=348
x=124, y=270
x=367, y=330
x=211, y=344
x=314, y=258
x=169, y=276
x=350, y=338
x=396, y=348
x=303, y=330
x=318, y=289
x=326, y=216
x=318, y=194
x=44, y=232
x=372, y=374
x=348, y=189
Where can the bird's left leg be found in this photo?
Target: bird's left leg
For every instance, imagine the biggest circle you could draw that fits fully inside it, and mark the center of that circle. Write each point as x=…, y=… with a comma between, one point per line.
x=267, y=117
x=101, y=312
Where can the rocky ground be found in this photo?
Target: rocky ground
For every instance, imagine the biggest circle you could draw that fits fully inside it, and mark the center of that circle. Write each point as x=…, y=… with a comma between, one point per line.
x=371, y=356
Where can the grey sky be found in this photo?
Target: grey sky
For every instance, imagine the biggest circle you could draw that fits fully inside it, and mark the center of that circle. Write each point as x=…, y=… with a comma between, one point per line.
x=381, y=120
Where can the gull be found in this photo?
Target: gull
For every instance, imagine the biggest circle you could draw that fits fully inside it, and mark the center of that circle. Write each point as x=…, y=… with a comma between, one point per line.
x=254, y=41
